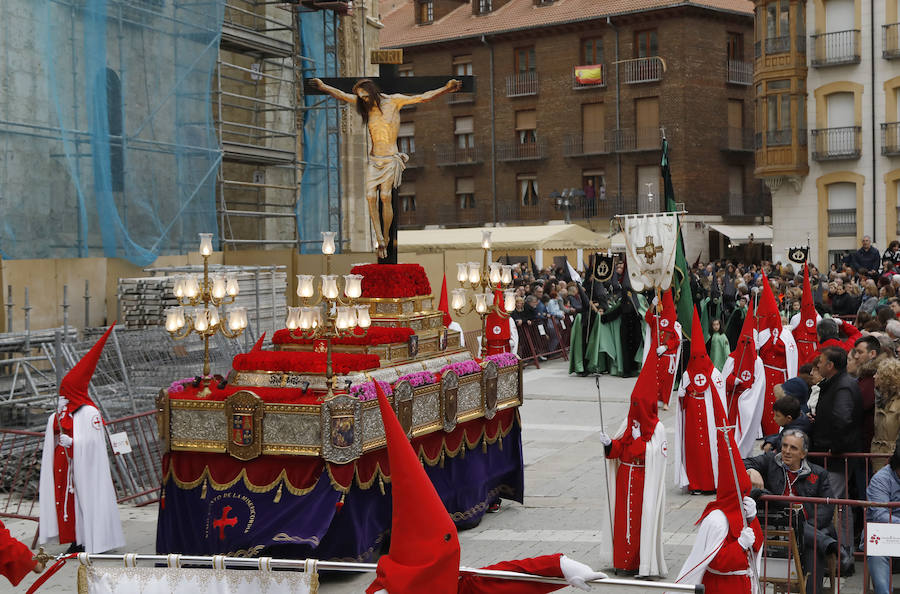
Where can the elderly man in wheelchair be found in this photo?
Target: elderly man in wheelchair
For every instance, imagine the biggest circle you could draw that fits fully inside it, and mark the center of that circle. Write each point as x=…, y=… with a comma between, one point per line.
x=790, y=473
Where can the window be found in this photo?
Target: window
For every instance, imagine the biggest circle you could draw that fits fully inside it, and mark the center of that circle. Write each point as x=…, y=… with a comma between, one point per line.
x=406, y=138
x=526, y=126
x=778, y=117
x=405, y=70
x=778, y=19
x=645, y=44
x=407, y=194
x=425, y=13
x=484, y=6
x=592, y=50
x=735, y=47
x=465, y=192
x=593, y=126
x=648, y=188
x=464, y=131
x=593, y=183
x=113, y=88
x=526, y=60
x=647, y=123
x=462, y=65
x=528, y=189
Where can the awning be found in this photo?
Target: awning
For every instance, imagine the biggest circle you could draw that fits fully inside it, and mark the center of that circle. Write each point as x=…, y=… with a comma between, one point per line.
x=531, y=237
x=741, y=234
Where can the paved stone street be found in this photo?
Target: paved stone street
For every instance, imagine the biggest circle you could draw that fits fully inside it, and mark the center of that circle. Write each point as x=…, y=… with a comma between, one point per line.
x=565, y=491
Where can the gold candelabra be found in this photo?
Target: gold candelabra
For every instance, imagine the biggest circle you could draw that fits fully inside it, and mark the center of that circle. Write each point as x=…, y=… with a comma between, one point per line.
x=325, y=313
x=482, y=280
x=206, y=296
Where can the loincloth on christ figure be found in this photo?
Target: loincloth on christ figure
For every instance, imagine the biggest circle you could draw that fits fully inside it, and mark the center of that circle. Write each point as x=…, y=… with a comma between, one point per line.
x=383, y=169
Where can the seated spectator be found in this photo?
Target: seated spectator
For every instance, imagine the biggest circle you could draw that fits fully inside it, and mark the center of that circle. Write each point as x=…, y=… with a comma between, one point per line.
x=884, y=487
x=788, y=416
x=790, y=473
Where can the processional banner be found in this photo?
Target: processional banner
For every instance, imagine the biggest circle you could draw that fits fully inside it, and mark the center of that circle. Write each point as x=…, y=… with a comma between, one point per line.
x=171, y=580
x=650, y=242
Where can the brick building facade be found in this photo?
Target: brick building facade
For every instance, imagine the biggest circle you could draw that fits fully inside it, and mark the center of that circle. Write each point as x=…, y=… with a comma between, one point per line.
x=532, y=135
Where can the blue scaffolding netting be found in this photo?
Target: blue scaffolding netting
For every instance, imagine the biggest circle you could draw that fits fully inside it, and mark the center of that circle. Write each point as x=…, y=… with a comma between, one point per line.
x=107, y=141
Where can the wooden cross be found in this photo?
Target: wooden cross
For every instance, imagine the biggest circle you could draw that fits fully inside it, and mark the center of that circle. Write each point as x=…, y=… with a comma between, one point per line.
x=389, y=81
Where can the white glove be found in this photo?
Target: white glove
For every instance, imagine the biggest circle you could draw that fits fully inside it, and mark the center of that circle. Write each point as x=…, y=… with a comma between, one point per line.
x=749, y=508
x=605, y=439
x=65, y=441
x=577, y=573
x=655, y=301
x=636, y=430
x=61, y=404
x=660, y=349
x=747, y=538
x=838, y=321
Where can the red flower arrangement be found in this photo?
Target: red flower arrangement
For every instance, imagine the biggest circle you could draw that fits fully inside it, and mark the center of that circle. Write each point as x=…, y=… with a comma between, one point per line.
x=393, y=280
x=374, y=335
x=304, y=362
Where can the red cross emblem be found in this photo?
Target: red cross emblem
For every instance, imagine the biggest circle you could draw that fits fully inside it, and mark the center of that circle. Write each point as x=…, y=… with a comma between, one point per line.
x=224, y=521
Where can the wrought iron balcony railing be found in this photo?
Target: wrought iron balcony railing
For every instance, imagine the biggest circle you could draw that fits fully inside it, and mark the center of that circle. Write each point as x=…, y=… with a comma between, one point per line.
x=835, y=49
x=841, y=222
x=522, y=84
x=634, y=139
x=522, y=151
x=778, y=45
x=779, y=137
x=643, y=70
x=448, y=155
x=890, y=138
x=454, y=98
x=578, y=145
x=831, y=144
x=735, y=204
x=739, y=73
x=891, y=41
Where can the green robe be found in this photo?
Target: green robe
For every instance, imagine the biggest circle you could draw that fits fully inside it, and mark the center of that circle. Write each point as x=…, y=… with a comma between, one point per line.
x=604, y=349
x=719, y=349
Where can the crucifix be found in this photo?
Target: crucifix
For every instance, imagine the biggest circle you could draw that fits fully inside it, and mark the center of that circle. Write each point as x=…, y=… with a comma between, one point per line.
x=378, y=101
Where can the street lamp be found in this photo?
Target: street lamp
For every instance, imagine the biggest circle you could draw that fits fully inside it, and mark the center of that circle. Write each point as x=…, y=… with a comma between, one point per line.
x=206, y=299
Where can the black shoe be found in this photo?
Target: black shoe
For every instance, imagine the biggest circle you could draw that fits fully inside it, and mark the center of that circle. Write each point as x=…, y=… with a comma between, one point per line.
x=847, y=563
x=74, y=548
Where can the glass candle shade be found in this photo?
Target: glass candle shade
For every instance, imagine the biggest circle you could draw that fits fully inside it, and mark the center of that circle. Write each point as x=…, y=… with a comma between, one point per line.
x=462, y=271
x=329, y=286
x=293, y=318
x=201, y=319
x=353, y=285
x=494, y=273
x=328, y=242
x=509, y=300
x=218, y=290
x=231, y=285
x=506, y=274
x=486, y=240
x=172, y=319
x=362, y=316
x=305, y=288
x=458, y=300
x=206, y=244
x=213, y=317
x=474, y=273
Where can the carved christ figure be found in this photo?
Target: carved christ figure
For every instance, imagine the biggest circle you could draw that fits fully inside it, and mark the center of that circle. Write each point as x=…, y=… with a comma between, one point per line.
x=381, y=113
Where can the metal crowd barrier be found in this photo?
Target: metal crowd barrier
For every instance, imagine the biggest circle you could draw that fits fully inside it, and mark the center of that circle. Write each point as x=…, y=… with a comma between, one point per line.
x=542, y=339
x=785, y=538
x=130, y=559
x=20, y=472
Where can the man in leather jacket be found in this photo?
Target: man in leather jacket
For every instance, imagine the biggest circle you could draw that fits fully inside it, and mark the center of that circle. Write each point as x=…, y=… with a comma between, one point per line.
x=790, y=473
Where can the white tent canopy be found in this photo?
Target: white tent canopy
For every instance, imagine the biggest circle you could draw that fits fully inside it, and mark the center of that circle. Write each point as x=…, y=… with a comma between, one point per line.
x=741, y=234
x=532, y=237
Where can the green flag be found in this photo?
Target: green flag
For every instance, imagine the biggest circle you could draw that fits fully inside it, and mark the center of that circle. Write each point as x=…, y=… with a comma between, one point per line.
x=681, y=283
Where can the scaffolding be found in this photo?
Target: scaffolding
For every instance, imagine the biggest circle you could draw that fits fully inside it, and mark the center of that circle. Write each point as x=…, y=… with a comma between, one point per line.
x=260, y=112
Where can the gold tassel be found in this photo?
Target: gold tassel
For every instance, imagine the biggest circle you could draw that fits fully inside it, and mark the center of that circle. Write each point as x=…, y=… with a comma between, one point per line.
x=381, y=484
x=484, y=445
x=278, y=494
x=203, y=490
x=500, y=439
x=442, y=458
x=462, y=450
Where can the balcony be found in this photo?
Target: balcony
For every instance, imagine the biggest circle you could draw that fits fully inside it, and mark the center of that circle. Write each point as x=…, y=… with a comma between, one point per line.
x=450, y=155
x=643, y=70
x=835, y=49
x=778, y=45
x=523, y=84
x=832, y=144
x=576, y=145
x=457, y=98
x=891, y=39
x=593, y=77
x=737, y=139
x=735, y=204
x=522, y=151
x=780, y=137
x=634, y=139
x=890, y=139
x=841, y=222
x=739, y=73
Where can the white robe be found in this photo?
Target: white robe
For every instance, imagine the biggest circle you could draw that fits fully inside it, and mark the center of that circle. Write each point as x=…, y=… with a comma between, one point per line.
x=653, y=506
x=710, y=539
x=717, y=388
x=673, y=359
x=750, y=406
x=791, y=354
x=97, y=523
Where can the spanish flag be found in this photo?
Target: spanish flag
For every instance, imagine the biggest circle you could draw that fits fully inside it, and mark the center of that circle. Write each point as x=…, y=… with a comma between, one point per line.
x=589, y=75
